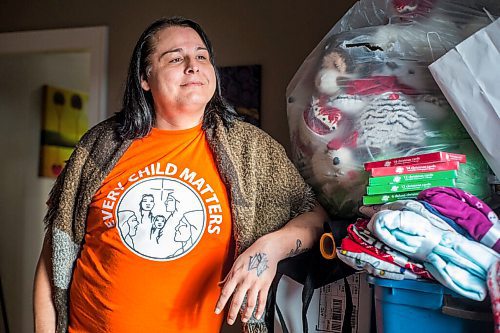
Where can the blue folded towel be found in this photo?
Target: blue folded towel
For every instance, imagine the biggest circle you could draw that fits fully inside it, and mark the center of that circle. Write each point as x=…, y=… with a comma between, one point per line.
x=456, y=262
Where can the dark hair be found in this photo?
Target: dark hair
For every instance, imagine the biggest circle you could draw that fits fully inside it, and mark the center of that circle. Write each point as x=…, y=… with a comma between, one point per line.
x=137, y=116
x=140, y=203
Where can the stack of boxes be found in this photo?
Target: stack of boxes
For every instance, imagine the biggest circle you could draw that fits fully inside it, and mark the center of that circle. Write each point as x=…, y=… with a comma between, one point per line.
x=403, y=178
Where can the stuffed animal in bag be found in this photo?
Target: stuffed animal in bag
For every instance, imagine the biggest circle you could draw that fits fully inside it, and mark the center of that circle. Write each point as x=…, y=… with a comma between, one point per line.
x=467, y=16
x=360, y=111
x=379, y=115
x=334, y=69
x=334, y=161
x=326, y=139
x=421, y=29
x=374, y=115
x=327, y=117
x=389, y=125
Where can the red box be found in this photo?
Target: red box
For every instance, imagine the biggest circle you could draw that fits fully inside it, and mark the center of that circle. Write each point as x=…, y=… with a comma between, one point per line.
x=435, y=157
x=406, y=169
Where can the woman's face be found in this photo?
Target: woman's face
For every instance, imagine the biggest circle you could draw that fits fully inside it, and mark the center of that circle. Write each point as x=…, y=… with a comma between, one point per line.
x=170, y=204
x=182, y=232
x=133, y=223
x=159, y=222
x=181, y=77
x=147, y=203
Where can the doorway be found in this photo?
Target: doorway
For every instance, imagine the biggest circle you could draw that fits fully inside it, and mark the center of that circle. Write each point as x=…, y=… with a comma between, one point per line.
x=69, y=58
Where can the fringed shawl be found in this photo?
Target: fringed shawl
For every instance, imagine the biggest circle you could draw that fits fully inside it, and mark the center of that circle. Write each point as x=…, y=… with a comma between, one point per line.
x=265, y=189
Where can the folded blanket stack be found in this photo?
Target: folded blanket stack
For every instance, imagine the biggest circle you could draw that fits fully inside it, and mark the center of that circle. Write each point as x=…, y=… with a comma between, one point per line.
x=436, y=237
x=471, y=213
x=456, y=262
x=360, y=234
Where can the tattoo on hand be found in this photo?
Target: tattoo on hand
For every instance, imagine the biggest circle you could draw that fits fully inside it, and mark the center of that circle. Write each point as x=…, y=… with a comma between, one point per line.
x=298, y=249
x=258, y=262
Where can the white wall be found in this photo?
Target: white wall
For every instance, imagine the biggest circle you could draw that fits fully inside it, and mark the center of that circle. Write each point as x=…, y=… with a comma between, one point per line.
x=276, y=34
x=22, y=192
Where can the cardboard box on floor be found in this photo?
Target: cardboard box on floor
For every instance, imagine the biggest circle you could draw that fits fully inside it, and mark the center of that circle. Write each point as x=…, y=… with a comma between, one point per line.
x=325, y=313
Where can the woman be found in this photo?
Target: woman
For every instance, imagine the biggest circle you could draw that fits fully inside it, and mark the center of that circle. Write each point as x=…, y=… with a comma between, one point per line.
x=128, y=226
x=156, y=232
x=145, y=207
x=174, y=126
x=187, y=229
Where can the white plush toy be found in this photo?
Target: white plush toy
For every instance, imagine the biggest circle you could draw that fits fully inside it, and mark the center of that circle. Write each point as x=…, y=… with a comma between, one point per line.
x=389, y=126
x=378, y=114
x=335, y=160
x=317, y=125
x=334, y=69
x=327, y=115
x=421, y=29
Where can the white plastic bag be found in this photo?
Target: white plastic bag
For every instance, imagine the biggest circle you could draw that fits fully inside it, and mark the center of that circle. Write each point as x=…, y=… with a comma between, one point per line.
x=469, y=76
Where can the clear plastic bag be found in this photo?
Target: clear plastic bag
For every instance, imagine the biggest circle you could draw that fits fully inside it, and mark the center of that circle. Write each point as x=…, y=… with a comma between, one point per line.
x=365, y=93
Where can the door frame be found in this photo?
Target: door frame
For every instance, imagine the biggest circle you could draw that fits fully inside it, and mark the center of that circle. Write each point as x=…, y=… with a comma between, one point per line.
x=90, y=39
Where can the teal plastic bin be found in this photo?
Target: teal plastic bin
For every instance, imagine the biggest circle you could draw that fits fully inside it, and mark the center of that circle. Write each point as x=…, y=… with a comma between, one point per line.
x=415, y=306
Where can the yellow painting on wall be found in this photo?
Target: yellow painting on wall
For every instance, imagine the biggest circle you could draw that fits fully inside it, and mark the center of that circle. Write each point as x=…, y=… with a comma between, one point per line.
x=64, y=121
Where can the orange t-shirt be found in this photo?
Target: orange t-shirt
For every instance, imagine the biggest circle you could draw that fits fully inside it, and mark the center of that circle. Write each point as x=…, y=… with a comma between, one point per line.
x=157, y=241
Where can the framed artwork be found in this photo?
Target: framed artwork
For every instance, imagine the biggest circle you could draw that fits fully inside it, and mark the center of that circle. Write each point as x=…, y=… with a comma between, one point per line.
x=240, y=86
x=64, y=121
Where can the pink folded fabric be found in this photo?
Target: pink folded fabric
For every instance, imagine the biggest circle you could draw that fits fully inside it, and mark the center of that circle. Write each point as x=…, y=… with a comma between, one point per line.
x=358, y=258
x=493, y=281
x=360, y=234
x=471, y=213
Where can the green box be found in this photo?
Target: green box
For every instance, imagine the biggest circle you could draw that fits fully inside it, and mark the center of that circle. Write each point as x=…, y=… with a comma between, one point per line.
x=409, y=187
x=383, y=198
x=412, y=178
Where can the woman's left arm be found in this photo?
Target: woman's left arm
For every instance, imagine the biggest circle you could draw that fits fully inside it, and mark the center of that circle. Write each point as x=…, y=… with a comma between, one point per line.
x=253, y=271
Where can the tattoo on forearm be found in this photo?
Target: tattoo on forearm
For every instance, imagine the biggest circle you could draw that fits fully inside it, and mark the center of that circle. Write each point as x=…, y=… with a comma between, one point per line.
x=258, y=262
x=298, y=249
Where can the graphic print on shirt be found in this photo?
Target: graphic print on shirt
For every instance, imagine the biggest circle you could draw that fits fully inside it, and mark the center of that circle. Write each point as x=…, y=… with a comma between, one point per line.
x=160, y=218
